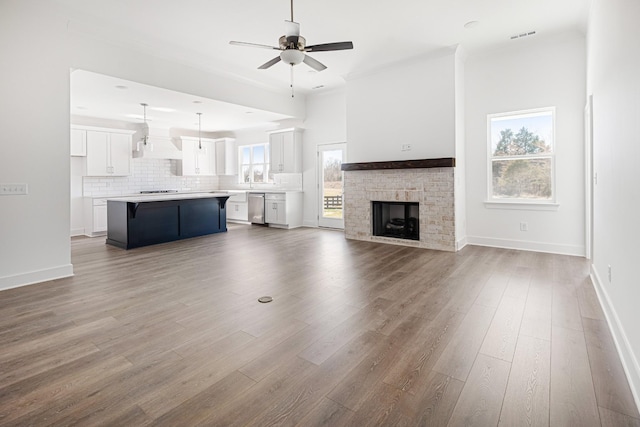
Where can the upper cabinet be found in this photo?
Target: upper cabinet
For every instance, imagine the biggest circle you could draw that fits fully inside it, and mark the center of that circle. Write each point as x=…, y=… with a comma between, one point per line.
x=78, y=142
x=286, y=151
x=198, y=157
x=226, y=157
x=108, y=152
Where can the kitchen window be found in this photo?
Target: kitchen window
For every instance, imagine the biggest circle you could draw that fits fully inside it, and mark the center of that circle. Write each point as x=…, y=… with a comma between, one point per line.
x=254, y=163
x=521, y=157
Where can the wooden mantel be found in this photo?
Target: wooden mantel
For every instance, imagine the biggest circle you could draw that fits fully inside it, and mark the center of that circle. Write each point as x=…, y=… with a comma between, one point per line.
x=446, y=162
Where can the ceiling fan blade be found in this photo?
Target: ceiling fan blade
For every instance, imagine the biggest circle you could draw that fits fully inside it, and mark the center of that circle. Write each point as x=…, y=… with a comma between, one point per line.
x=262, y=46
x=291, y=28
x=269, y=63
x=313, y=63
x=329, y=46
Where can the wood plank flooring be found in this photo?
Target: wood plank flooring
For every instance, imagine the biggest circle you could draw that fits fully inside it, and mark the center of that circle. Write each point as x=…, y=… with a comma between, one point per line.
x=358, y=334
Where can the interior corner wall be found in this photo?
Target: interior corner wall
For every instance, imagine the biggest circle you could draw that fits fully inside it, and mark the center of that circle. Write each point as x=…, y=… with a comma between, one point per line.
x=537, y=73
x=613, y=77
x=408, y=103
x=460, y=169
x=325, y=124
x=34, y=118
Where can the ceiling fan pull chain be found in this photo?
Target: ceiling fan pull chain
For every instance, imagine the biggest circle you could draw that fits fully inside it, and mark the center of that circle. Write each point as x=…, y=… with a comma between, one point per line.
x=292, y=80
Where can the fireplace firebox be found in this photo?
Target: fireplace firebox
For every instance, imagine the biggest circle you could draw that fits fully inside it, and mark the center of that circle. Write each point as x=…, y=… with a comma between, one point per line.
x=396, y=219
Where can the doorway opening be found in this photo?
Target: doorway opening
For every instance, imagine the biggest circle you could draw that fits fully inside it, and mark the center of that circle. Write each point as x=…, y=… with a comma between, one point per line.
x=330, y=188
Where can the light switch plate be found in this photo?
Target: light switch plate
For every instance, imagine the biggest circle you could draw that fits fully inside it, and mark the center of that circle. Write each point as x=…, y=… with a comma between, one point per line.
x=13, y=189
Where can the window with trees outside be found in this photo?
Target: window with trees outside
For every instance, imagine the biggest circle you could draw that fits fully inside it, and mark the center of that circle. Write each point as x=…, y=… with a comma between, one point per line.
x=254, y=163
x=521, y=156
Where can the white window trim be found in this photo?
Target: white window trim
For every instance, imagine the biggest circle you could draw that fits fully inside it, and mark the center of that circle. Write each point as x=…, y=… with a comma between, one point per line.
x=514, y=203
x=267, y=165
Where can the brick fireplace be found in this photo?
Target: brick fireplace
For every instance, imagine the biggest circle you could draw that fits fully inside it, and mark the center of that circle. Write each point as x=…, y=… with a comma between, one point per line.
x=430, y=183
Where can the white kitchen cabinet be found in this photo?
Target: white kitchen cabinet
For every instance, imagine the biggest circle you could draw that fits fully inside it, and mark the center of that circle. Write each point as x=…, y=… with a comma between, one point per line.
x=237, y=206
x=195, y=160
x=283, y=209
x=108, y=153
x=95, y=216
x=286, y=151
x=275, y=209
x=226, y=157
x=237, y=211
x=78, y=142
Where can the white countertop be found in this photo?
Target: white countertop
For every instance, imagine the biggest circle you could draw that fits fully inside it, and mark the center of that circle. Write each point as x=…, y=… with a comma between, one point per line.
x=263, y=191
x=166, y=196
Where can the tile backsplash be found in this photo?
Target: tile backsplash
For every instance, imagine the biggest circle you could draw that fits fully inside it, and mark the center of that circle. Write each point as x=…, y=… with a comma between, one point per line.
x=160, y=174
x=281, y=181
x=148, y=174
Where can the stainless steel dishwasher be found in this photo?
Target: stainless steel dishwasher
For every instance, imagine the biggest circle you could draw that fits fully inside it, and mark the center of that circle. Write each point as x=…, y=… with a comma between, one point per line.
x=256, y=208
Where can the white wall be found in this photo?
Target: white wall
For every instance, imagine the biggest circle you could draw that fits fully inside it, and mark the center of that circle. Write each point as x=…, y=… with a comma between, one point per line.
x=614, y=81
x=326, y=123
x=35, y=125
x=537, y=73
x=34, y=118
x=410, y=103
x=460, y=187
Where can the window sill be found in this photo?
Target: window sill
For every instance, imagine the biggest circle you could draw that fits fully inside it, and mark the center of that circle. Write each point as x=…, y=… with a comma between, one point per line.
x=521, y=205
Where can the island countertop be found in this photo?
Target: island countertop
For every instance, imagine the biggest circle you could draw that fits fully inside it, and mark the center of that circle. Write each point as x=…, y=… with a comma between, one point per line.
x=166, y=197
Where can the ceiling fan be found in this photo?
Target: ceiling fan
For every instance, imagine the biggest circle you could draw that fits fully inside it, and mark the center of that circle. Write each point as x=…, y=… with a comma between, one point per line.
x=293, y=48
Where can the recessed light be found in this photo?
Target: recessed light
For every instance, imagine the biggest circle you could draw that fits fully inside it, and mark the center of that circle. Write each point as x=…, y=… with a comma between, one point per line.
x=197, y=102
x=121, y=87
x=163, y=109
x=471, y=24
x=318, y=87
x=248, y=112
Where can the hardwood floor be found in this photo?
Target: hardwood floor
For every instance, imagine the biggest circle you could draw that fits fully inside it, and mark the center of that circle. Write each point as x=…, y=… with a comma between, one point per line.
x=358, y=334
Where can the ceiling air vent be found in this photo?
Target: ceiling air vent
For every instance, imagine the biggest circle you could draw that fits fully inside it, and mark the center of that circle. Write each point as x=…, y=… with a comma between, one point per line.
x=521, y=35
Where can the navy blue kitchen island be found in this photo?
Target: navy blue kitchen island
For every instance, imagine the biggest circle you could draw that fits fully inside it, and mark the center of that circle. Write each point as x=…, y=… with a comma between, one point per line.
x=138, y=221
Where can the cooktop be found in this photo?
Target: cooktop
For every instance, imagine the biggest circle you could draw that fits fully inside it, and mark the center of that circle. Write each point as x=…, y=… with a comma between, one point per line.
x=158, y=191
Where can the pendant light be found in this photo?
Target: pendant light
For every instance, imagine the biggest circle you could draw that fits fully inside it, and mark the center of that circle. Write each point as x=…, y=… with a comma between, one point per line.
x=143, y=143
x=200, y=147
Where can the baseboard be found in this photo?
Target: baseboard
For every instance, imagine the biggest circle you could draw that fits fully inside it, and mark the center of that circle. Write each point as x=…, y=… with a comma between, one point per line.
x=552, y=248
x=461, y=243
x=308, y=223
x=77, y=232
x=625, y=351
x=32, y=277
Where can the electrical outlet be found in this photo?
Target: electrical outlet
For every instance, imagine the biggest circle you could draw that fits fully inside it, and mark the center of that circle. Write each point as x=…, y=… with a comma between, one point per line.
x=524, y=226
x=13, y=189
x=406, y=147
x=609, y=272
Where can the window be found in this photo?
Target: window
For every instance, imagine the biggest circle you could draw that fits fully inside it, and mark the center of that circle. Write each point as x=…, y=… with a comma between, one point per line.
x=521, y=156
x=254, y=163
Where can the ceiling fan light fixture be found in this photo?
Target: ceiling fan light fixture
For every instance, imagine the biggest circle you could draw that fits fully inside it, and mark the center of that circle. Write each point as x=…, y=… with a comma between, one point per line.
x=292, y=56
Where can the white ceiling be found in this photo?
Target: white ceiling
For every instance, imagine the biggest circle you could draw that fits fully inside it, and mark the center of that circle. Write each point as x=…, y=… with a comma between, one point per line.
x=97, y=95
x=197, y=32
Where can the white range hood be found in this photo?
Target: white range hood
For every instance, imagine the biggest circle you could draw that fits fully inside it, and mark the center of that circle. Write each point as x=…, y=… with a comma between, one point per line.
x=160, y=145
